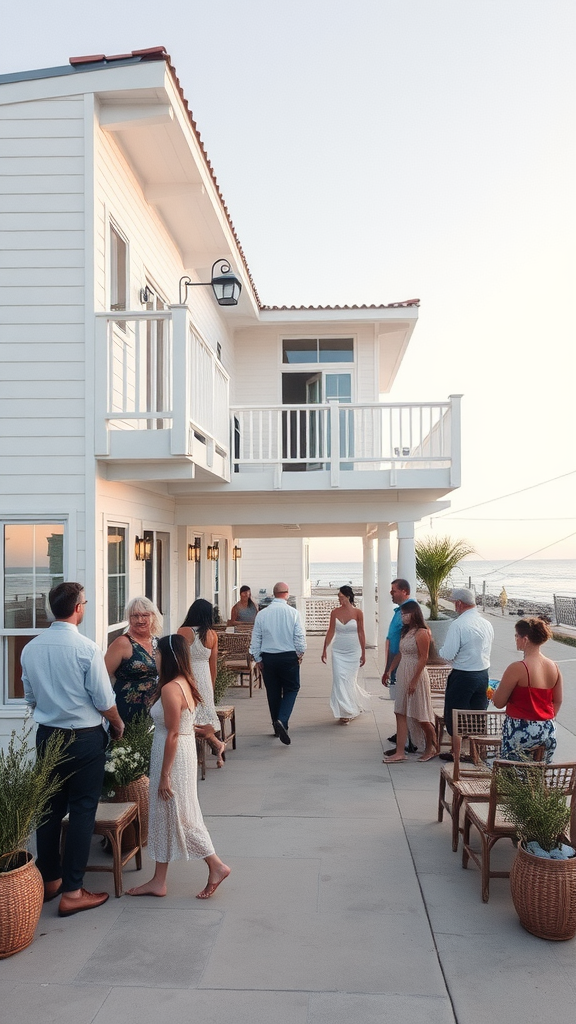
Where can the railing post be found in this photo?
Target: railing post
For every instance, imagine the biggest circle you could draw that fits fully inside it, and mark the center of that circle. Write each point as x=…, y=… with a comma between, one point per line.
x=101, y=371
x=180, y=381
x=334, y=443
x=455, y=440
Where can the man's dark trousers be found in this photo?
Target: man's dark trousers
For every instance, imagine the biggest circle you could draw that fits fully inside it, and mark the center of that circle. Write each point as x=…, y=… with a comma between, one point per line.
x=282, y=681
x=79, y=796
x=465, y=691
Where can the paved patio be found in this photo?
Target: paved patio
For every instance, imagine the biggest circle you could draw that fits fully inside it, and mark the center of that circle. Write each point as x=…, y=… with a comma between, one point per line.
x=345, y=901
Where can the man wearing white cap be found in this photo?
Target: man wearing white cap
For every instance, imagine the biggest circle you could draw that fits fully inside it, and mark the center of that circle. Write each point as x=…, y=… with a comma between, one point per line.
x=467, y=645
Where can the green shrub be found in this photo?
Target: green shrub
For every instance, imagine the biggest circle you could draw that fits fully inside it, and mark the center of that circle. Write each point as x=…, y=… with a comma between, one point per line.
x=540, y=814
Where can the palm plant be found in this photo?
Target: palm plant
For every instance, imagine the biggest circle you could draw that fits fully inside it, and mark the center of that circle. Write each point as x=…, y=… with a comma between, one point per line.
x=28, y=781
x=436, y=557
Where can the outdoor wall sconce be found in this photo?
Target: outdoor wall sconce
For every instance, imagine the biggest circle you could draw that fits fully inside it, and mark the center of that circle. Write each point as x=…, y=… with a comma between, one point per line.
x=145, y=295
x=236, y=552
x=225, y=285
x=194, y=552
x=213, y=552
x=142, y=549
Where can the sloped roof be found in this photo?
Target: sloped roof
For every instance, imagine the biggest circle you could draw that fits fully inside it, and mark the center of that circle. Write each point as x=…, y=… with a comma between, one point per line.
x=93, y=62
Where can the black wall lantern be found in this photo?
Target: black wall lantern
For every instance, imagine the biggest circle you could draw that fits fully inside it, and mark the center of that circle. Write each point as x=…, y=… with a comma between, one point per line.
x=225, y=285
x=143, y=549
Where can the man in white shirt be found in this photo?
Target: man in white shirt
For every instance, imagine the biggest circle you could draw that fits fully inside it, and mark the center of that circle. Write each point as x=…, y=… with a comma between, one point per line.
x=67, y=686
x=467, y=646
x=278, y=645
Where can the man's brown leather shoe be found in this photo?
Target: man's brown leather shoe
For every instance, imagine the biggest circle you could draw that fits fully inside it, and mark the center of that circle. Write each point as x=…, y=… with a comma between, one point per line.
x=85, y=901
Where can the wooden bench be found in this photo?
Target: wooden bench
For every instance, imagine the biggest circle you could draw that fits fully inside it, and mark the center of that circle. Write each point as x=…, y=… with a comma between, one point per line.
x=111, y=822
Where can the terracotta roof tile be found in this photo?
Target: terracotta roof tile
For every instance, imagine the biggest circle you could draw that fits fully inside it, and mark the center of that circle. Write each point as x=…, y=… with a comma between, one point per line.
x=160, y=53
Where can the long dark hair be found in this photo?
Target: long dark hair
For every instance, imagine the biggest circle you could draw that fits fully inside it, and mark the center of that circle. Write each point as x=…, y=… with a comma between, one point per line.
x=175, y=661
x=201, y=617
x=348, y=592
x=413, y=609
x=250, y=601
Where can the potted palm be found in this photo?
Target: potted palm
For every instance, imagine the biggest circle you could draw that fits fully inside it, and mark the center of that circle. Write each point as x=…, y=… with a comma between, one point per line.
x=543, y=875
x=436, y=558
x=27, y=784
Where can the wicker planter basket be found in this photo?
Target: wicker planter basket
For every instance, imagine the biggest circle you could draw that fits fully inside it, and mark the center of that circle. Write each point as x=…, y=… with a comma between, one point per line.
x=137, y=791
x=544, y=895
x=21, y=896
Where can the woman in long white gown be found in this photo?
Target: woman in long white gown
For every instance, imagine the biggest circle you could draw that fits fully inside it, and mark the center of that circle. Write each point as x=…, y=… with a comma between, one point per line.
x=346, y=634
x=176, y=827
x=196, y=630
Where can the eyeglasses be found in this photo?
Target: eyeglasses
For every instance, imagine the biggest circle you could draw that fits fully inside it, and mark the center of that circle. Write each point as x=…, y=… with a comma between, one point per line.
x=140, y=615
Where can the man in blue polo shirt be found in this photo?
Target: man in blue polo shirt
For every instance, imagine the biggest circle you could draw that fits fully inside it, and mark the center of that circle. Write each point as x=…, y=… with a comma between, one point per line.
x=400, y=593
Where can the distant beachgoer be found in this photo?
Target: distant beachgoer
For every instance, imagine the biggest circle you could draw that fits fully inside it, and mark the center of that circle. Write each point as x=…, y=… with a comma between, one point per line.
x=245, y=610
x=346, y=634
x=531, y=691
x=503, y=599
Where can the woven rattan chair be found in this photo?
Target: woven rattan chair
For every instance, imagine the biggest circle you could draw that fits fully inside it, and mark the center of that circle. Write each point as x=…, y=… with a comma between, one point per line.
x=234, y=648
x=465, y=780
x=438, y=676
x=491, y=824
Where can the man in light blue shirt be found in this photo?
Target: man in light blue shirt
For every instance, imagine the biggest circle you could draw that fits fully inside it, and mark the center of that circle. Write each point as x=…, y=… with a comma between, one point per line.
x=278, y=645
x=67, y=686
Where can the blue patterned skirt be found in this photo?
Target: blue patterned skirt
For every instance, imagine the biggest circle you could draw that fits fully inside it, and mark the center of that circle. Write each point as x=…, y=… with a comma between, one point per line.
x=520, y=736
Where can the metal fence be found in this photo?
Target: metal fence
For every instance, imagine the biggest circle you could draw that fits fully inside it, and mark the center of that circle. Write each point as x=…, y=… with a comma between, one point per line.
x=565, y=610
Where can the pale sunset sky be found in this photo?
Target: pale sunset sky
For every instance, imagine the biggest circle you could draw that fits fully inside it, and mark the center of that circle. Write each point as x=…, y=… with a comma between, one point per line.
x=385, y=150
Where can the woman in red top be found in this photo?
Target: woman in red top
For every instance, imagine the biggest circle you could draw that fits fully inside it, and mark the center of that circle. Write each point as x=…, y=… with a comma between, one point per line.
x=531, y=691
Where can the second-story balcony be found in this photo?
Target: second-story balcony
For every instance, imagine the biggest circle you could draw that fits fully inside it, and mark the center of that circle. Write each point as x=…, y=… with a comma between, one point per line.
x=163, y=413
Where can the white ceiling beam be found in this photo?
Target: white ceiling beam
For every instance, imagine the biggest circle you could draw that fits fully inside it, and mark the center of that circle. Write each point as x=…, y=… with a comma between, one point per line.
x=119, y=117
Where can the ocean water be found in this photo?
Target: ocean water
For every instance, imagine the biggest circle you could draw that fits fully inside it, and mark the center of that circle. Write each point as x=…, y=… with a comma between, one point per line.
x=529, y=580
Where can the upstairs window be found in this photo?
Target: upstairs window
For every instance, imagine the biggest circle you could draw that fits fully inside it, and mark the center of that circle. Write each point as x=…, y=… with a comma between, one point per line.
x=118, y=271
x=318, y=350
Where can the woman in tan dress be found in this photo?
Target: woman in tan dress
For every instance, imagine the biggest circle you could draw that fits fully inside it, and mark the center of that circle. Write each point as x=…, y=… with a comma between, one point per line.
x=413, y=700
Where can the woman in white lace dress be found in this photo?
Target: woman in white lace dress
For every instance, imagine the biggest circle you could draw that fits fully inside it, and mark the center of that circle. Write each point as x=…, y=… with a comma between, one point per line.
x=176, y=828
x=197, y=631
x=346, y=634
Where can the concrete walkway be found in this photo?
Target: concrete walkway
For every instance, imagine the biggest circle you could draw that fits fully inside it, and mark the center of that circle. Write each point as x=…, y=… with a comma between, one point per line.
x=345, y=902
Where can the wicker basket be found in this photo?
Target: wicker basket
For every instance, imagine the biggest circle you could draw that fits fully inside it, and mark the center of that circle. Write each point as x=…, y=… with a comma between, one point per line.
x=544, y=894
x=137, y=791
x=21, y=896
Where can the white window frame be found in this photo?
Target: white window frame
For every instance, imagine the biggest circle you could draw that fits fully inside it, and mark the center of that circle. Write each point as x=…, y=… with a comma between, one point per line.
x=113, y=278
x=6, y=701
x=129, y=540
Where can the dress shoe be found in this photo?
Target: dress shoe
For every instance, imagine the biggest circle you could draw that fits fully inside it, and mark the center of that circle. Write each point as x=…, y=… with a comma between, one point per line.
x=85, y=901
x=52, y=890
x=446, y=757
x=282, y=732
x=392, y=739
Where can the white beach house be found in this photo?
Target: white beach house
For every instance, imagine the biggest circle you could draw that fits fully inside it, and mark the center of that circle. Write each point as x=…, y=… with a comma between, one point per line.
x=146, y=429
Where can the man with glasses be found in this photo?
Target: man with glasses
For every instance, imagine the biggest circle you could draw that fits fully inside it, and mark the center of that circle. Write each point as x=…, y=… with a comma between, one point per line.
x=67, y=686
x=278, y=645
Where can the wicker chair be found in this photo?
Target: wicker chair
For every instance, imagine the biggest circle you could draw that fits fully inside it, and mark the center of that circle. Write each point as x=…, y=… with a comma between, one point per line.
x=438, y=676
x=465, y=780
x=234, y=648
x=489, y=821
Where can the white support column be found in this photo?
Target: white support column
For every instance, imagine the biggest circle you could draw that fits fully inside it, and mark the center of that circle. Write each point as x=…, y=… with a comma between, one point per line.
x=369, y=591
x=385, y=606
x=406, y=564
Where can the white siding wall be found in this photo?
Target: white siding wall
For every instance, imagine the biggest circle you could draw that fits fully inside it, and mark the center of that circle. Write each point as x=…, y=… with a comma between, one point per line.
x=265, y=562
x=152, y=253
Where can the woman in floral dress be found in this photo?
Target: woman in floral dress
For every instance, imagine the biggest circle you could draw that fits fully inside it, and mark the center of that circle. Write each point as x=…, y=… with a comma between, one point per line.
x=130, y=659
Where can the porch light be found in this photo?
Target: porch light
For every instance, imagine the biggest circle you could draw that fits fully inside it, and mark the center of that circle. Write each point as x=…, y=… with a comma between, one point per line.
x=194, y=552
x=225, y=285
x=236, y=552
x=213, y=552
x=142, y=549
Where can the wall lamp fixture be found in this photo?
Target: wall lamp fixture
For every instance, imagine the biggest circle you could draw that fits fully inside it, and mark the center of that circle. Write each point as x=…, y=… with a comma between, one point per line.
x=146, y=294
x=225, y=285
x=236, y=552
x=194, y=552
x=213, y=552
x=142, y=549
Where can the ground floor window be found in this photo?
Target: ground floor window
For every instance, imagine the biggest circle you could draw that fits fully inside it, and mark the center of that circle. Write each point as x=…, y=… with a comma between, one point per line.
x=32, y=562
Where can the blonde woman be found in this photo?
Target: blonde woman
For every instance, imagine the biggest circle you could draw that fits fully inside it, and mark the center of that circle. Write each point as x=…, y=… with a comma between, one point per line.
x=130, y=659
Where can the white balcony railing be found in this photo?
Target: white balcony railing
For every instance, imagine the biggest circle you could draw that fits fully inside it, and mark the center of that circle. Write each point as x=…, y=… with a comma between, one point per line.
x=339, y=437
x=154, y=372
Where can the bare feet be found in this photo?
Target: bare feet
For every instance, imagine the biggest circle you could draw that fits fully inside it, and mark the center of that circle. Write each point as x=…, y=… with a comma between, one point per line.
x=219, y=749
x=345, y=721
x=214, y=879
x=393, y=758
x=151, y=888
x=428, y=755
